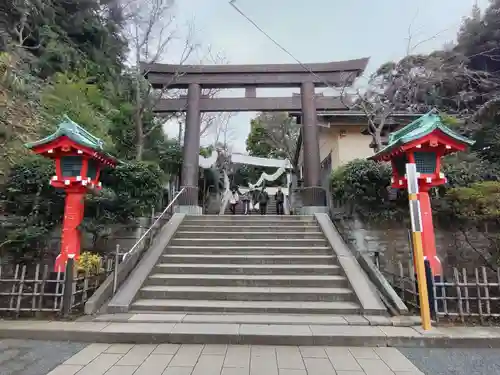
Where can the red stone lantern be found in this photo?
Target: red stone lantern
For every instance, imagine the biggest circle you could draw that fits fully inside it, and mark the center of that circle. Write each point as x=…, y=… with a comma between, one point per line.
x=423, y=142
x=79, y=157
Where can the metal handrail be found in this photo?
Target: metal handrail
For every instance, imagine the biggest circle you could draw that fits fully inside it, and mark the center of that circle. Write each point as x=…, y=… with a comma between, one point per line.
x=131, y=251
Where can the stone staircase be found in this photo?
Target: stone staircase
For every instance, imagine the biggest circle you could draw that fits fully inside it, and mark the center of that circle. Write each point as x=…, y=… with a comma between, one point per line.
x=248, y=265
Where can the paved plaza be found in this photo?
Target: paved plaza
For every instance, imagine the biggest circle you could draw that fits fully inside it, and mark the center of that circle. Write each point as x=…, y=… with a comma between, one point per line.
x=32, y=357
x=168, y=359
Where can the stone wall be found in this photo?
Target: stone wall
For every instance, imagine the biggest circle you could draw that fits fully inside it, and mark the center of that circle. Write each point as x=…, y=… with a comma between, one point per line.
x=391, y=240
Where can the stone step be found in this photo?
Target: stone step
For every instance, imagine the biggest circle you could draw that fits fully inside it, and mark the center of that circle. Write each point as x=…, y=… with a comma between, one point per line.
x=286, y=307
x=249, y=235
x=262, y=242
x=249, y=269
x=313, y=281
x=247, y=259
x=321, y=333
x=246, y=293
x=277, y=219
x=210, y=227
x=250, y=217
x=267, y=319
x=249, y=223
x=251, y=250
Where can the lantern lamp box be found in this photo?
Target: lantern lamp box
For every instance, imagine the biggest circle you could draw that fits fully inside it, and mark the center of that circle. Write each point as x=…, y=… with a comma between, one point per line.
x=79, y=157
x=423, y=142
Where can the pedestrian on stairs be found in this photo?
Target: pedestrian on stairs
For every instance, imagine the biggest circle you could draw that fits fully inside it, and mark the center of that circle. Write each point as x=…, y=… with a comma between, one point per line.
x=233, y=201
x=263, y=199
x=245, y=198
x=279, y=197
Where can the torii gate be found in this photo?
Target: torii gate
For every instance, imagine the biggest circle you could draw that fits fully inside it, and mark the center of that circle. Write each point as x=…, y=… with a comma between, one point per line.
x=250, y=77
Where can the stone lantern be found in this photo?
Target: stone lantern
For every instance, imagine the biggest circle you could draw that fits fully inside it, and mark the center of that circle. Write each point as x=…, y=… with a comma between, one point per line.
x=423, y=142
x=79, y=157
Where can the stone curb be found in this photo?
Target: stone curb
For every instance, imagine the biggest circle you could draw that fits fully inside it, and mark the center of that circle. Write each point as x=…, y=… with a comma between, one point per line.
x=248, y=334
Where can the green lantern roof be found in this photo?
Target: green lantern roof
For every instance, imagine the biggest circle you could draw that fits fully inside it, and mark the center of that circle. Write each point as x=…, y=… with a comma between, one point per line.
x=419, y=128
x=73, y=131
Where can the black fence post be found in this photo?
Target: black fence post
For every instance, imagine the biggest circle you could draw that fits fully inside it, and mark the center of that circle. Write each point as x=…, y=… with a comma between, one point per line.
x=68, y=287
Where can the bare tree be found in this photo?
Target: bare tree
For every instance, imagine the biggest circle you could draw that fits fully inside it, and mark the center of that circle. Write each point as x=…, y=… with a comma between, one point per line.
x=412, y=85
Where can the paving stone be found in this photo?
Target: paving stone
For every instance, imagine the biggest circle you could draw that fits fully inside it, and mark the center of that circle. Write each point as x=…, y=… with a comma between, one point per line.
x=263, y=360
x=400, y=332
x=178, y=371
x=121, y=370
x=65, y=370
x=100, y=365
x=209, y=365
x=215, y=349
x=263, y=350
x=351, y=373
x=237, y=356
x=313, y=352
x=395, y=359
x=319, y=366
x=339, y=331
x=378, y=320
x=415, y=372
x=405, y=321
x=275, y=330
x=288, y=371
x=119, y=348
x=136, y=355
x=157, y=317
x=155, y=364
x=375, y=367
x=87, y=355
x=166, y=349
x=207, y=329
x=186, y=356
x=139, y=327
x=356, y=320
x=235, y=371
x=342, y=359
x=289, y=357
x=363, y=353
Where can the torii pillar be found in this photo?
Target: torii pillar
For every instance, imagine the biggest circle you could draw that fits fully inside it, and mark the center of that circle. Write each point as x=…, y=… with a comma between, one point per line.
x=188, y=201
x=313, y=194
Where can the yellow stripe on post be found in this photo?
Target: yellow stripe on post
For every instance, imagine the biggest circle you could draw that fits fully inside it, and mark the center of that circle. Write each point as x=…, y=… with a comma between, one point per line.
x=423, y=295
x=418, y=250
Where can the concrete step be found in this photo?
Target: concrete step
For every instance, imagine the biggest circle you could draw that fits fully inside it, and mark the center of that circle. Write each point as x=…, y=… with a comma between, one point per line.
x=262, y=242
x=249, y=269
x=246, y=306
x=249, y=235
x=251, y=250
x=313, y=281
x=246, y=293
x=210, y=227
x=254, y=217
x=247, y=259
x=226, y=221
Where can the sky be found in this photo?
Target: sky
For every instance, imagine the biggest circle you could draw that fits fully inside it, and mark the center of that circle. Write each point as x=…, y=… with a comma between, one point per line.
x=316, y=31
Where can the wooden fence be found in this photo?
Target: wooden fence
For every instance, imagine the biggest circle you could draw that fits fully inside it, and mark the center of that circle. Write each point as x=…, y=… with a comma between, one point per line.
x=34, y=290
x=465, y=295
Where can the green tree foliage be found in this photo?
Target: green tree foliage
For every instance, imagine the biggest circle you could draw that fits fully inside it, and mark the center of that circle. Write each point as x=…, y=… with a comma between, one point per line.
x=67, y=57
x=363, y=184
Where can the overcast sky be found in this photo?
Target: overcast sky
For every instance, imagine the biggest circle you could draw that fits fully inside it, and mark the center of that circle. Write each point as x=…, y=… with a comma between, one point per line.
x=318, y=31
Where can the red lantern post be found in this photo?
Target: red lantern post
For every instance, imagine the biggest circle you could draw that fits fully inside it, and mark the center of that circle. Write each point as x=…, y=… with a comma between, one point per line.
x=79, y=157
x=423, y=142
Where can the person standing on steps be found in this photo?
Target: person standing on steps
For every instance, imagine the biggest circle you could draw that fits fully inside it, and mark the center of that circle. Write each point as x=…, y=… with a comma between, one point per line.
x=245, y=198
x=233, y=201
x=263, y=199
x=279, y=197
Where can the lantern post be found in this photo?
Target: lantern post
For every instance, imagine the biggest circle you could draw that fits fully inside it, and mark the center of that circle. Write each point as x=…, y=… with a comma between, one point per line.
x=79, y=157
x=423, y=143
